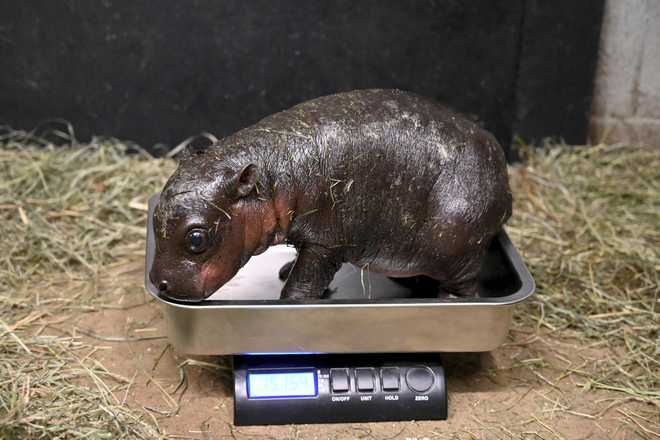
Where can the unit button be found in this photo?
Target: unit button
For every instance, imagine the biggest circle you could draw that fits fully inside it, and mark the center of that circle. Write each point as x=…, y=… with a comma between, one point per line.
x=365, y=379
x=390, y=378
x=420, y=379
x=339, y=381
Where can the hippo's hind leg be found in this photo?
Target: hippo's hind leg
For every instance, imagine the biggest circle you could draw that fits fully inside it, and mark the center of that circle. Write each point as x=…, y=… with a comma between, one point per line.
x=455, y=256
x=456, y=236
x=458, y=275
x=461, y=285
x=311, y=273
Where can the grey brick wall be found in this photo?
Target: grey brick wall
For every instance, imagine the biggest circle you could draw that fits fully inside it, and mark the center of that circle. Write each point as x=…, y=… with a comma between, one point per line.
x=626, y=106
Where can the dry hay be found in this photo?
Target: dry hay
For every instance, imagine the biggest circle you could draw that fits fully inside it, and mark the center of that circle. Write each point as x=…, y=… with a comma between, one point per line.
x=588, y=222
x=65, y=213
x=586, y=219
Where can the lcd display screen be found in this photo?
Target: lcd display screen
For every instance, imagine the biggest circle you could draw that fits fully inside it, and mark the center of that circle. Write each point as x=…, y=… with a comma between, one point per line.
x=284, y=384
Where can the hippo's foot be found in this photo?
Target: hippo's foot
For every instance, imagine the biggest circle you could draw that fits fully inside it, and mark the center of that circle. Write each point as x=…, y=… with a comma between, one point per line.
x=327, y=293
x=299, y=294
x=304, y=294
x=459, y=289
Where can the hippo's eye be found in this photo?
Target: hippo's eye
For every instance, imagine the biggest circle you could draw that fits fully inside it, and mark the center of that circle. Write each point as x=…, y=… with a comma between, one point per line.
x=197, y=240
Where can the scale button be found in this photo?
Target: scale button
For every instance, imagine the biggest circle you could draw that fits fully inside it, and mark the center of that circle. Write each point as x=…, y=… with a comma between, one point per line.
x=420, y=379
x=339, y=381
x=365, y=379
x=390, y=378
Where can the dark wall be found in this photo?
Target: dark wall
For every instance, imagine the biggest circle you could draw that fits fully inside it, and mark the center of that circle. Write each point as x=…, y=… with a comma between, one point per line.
x=557, y=65
x=158, y=72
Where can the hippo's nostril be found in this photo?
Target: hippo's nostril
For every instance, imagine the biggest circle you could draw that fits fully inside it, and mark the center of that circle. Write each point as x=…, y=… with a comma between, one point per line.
x=162, y=287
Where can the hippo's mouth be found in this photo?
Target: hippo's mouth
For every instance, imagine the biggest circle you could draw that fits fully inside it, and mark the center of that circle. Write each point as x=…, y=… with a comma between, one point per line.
x=184, y=299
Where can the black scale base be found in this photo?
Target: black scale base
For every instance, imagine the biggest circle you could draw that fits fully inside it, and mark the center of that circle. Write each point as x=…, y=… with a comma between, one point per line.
x=339, y=388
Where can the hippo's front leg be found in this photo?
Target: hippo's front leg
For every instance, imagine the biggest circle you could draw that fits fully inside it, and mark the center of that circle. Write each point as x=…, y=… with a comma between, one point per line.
x=311, y=274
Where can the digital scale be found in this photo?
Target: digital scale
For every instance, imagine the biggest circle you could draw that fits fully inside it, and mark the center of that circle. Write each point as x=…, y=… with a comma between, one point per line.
x=370, y=351
x=272, y=390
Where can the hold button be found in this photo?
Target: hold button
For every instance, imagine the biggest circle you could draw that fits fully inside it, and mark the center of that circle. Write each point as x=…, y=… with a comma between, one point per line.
x=390, y=378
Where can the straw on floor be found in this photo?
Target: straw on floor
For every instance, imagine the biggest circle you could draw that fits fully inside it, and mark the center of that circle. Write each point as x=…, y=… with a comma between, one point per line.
x=587, y=220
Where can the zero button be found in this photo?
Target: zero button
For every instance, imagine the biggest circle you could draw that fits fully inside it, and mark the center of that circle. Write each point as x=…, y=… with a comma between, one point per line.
x=420, y=379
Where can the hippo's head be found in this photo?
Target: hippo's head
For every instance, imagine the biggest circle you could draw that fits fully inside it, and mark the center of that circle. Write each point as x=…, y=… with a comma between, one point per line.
x=208, y=222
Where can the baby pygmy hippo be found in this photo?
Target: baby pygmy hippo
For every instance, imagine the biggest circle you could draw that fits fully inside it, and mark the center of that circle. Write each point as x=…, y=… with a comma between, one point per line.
x=387, y=180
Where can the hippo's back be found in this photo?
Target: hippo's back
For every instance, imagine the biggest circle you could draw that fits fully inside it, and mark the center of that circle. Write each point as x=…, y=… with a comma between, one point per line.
x=357, y=108
x=384, y=163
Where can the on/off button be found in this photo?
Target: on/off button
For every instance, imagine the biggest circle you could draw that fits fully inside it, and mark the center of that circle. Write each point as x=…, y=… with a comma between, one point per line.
x=420, y=379
x=339, y=380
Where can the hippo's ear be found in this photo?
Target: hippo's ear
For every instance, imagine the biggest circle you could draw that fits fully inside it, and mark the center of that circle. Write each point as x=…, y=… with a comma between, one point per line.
x=243, y=182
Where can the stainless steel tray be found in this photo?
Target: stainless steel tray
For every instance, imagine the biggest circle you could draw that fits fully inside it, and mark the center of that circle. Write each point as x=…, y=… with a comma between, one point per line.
x=366, y=313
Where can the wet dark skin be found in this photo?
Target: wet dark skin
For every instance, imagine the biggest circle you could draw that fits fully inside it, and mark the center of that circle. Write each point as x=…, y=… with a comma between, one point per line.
x=387, y=180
